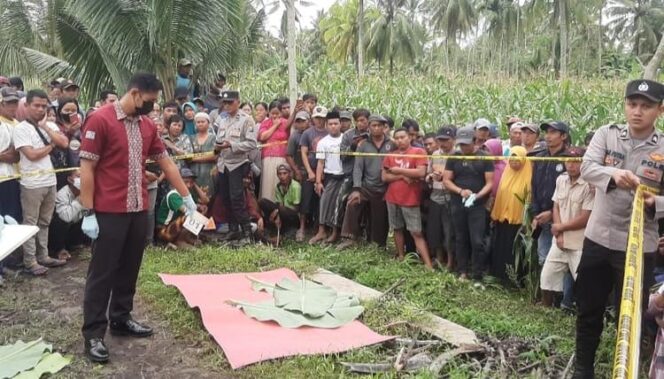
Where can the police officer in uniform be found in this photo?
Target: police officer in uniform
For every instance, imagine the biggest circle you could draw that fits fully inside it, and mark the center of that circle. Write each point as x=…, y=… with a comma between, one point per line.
x=236, y=138
x=618, y=160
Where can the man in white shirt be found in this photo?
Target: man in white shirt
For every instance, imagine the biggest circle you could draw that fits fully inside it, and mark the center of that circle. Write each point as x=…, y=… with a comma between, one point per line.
x=9, y=188
x=329, y=178
x=65, y=230
x=35, y=138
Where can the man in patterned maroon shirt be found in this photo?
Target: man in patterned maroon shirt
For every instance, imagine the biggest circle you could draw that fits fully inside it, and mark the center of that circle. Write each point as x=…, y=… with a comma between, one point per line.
x=117, y=140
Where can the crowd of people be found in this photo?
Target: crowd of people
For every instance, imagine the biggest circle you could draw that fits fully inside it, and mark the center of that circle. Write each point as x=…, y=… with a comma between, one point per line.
x=268, y=171
x=345, y=176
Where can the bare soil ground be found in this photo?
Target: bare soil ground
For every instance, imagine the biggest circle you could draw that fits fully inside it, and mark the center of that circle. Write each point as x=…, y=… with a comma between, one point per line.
x=51, y=307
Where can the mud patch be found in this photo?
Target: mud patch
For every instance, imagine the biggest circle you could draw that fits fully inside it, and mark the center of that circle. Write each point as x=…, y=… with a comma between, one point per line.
x=51, y=307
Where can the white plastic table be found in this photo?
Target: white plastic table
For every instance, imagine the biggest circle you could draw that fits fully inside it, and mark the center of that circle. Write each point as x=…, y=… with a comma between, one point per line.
x=13, y=236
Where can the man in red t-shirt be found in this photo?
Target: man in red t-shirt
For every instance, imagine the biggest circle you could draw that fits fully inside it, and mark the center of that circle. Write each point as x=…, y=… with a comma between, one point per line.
x=404, y=191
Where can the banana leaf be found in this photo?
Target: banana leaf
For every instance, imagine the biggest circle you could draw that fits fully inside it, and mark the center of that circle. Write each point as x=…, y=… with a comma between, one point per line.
x=304, y=296
x=49, y=364
x=21, y=356
x=268, y=311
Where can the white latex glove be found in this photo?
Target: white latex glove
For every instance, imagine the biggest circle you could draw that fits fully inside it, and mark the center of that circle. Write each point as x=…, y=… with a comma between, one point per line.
x=470, y=201
x=189, y=205
x=90, y=226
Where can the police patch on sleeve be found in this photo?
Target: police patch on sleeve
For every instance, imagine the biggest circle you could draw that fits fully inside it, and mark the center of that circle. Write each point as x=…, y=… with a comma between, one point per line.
x=559, y=167
x=90, y=135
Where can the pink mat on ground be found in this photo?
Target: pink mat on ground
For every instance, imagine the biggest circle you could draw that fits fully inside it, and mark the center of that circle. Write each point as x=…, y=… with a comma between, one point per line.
x=245, y=340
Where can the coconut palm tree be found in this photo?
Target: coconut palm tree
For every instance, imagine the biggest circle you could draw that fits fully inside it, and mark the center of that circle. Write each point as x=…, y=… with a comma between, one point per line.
x=639, y=22
x=454, y=18
x=340, y=30
x=393, y=36
x=103, y=42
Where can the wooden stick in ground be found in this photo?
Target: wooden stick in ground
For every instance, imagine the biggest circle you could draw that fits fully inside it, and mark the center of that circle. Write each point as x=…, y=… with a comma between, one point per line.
x=392, y=287
x=568, y=367
x=278, y=236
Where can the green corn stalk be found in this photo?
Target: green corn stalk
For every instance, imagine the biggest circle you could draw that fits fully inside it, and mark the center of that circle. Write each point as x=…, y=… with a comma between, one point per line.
x=437, y=99
x=525, y=272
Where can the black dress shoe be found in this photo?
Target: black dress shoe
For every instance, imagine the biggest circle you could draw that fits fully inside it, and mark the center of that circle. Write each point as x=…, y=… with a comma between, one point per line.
x=96, y=350
x=130, y=328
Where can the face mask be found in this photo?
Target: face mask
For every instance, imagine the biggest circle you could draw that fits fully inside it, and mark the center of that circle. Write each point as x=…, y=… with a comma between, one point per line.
x=77, y=183
x=148, y=106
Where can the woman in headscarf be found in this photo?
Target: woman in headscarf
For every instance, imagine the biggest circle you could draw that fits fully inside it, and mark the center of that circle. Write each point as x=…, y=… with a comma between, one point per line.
x=188, y=113
x=495, y=147
x=203, y=142
x=507, y=214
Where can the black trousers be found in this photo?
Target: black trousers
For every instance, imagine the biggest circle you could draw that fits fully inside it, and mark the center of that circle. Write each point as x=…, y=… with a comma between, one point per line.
x=116, y=259
x=290, y=218
x=600, y=271
x=10, y=200
x=231, y=187
x=469, y=231
x=63, y=235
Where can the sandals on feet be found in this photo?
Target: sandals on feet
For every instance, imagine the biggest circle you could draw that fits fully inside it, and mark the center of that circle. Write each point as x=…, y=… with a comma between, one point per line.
x=51, y=262
x=37, y=270
x=64, y=255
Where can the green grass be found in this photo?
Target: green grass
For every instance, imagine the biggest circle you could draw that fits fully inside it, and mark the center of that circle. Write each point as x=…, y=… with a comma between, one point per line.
x=495, y=312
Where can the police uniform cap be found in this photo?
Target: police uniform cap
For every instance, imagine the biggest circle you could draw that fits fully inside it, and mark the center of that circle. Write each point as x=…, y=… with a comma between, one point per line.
x=229, y=95
x=650, y=89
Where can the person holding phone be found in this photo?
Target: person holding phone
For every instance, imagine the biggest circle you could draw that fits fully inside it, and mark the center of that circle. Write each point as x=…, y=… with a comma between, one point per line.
x=236, y=138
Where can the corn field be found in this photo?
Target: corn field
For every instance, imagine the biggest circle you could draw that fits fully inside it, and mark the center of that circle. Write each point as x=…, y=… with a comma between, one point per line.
x=435, y=100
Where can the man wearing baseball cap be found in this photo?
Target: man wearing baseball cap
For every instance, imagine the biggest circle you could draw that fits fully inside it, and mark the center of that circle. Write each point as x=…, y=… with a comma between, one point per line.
x=439, y=217
x=482, y=131
x=470, y=182
x=620, y=157
x=529, y=135
x=368, y=192
x=346, y=120
x=308, y=147
x=9, y=188
x=70, y=89
x=545, y=174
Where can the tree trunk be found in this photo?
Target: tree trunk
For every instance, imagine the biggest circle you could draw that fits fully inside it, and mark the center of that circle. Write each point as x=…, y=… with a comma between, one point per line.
x=360, y=40
x=292, y=68
x=600, y=40
x=563, y=38
x=655, y=62
x=167, y=76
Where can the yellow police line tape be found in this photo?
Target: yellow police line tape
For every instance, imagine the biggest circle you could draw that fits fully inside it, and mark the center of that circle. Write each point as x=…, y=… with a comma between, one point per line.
x=347, y=153
x=174, y=157
x=626, y=355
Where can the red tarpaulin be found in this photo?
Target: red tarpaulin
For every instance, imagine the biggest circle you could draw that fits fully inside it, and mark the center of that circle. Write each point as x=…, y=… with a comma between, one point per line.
x=245, y=340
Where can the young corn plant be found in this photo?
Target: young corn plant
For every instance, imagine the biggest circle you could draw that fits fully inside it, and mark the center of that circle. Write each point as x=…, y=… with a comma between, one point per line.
x=437, y=99
x=525, y=272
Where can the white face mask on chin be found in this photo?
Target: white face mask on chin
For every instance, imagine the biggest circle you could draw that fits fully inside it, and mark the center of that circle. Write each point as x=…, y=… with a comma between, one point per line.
x=77, y=183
